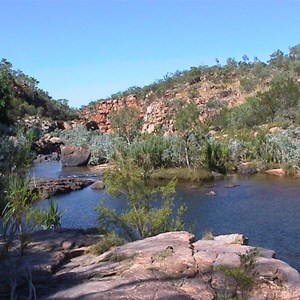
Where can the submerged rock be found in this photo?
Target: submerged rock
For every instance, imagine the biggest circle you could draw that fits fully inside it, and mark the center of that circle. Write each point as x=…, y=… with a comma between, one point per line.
x=246, y=169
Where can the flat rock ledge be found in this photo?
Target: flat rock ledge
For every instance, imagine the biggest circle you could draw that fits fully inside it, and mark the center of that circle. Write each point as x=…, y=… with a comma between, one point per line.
x=49, y=187
x=168, y=266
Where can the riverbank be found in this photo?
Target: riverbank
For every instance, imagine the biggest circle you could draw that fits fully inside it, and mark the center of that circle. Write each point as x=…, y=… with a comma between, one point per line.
x=170, y=265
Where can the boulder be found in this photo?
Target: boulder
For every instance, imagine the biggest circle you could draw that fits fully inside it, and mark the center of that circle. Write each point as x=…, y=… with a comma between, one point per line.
x=276, y=172
x=74, y=156
x=98, y=185
x=48, y=144
x=246, y=169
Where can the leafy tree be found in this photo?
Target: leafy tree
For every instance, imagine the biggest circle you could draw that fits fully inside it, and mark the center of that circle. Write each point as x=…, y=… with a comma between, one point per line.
x=6, y=91
x=144, y=217
x=283, y=96
x=186, y=124
x=126, y=122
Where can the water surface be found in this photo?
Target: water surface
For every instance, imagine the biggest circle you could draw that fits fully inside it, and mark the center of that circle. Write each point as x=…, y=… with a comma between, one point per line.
x=264, y=208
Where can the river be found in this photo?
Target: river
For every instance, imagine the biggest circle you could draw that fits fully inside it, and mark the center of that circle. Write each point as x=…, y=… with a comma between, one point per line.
x=264, y=208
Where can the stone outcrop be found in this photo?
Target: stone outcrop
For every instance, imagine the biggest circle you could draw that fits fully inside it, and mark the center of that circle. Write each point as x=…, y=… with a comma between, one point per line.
x=48, y=187
x=168, y=266
x=159, y=112
x=48, y=144
x=43, y=124
x=74, y=156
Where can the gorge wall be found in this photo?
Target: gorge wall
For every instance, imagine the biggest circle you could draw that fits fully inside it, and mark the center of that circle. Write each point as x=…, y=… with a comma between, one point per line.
x=158, y=112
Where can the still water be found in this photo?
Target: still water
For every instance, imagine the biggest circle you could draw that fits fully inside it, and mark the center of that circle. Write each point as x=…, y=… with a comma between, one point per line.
x=264, y=208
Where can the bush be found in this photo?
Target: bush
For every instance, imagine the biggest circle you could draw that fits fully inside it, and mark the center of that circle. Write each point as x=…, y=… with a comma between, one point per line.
x=109, y=240
x=101, y=145
x=144, y=217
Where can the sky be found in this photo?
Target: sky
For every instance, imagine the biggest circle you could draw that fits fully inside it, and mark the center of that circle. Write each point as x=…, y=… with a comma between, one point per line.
x=84, y=50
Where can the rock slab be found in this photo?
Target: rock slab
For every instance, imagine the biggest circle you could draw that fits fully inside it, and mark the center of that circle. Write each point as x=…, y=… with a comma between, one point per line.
x=167, y=266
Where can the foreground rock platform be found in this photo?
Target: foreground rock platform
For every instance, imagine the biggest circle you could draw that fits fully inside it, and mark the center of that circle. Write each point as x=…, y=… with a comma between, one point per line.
x=168, y=266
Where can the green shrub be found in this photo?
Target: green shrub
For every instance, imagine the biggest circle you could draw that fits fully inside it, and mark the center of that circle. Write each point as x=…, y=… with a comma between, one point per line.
x=106, y=242
x=143, y=217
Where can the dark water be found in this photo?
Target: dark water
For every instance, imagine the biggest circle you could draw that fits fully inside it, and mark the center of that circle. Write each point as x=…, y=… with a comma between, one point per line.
x=264, y=208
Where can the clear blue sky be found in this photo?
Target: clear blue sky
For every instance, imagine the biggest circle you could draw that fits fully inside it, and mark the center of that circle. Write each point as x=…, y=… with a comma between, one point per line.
x=86, y=50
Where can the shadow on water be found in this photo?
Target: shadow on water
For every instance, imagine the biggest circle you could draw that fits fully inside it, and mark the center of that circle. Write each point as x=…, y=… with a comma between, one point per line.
x=264, y=208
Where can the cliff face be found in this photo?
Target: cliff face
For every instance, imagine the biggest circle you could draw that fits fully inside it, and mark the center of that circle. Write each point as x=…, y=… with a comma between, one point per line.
x=160, y=111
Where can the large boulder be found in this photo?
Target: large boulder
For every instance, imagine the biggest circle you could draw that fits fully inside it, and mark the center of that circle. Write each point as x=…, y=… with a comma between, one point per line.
x=74, y=156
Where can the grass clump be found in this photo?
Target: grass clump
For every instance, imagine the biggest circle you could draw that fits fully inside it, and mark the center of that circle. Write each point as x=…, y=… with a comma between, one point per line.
x=108, y=241
x=182, y=174
x=207, y=236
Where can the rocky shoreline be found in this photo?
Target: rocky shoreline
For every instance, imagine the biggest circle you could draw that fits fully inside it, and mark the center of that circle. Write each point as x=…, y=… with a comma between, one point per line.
x=171, y=265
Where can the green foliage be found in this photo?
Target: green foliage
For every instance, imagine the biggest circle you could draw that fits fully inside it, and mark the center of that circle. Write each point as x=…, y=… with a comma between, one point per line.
x=244, y=276
x=182, y=173
x=207, y=236
x=248, y=84
x=142, y=218
x=19, y=198
x=280, y=100
x=106, y=242
x=215, y=155
x=126, y=122
x=101, y=145
x=187, y=124
x=20, y=95
x=52, y=217
x=6, y=91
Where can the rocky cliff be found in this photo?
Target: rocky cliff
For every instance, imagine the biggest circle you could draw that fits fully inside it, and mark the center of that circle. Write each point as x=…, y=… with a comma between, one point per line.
x=159, y=111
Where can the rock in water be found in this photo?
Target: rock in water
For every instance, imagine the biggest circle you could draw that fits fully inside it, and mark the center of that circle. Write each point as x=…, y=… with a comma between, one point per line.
x=74, y=156
x=98, y=185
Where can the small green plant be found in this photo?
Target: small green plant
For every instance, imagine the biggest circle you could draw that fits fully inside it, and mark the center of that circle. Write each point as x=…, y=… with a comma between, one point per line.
x=208, y=236
x=244, y=276
x=162, y=255
x=52, y=216
x=109, y=240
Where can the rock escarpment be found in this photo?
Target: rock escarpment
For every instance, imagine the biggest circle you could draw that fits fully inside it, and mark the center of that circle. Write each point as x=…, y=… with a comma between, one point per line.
x=168, y=266
x=160, y=111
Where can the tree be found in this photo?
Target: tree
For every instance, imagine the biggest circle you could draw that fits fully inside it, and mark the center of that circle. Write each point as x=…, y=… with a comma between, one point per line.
x=144, y=217
x=6, y=91
x=283, y=96
x=186, y=124
x=126, y=122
